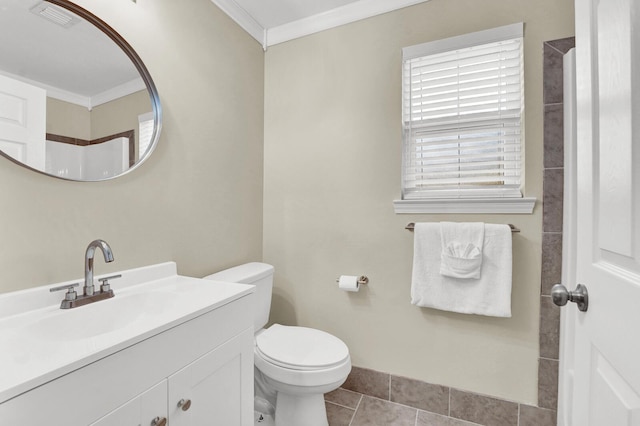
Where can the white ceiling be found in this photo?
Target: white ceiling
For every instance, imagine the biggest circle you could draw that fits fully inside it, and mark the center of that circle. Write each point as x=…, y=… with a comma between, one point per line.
x=78, y=64
x=273, y=13
x=90, y=68
x=276, y=21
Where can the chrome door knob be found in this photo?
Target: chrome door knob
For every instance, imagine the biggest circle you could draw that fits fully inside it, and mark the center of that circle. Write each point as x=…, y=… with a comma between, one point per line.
x=560, y=296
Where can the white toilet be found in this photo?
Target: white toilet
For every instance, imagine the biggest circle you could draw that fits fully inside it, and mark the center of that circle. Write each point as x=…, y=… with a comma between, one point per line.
x=294, y=366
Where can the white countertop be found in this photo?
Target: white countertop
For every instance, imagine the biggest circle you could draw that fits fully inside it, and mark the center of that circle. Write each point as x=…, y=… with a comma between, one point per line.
x=40, y=342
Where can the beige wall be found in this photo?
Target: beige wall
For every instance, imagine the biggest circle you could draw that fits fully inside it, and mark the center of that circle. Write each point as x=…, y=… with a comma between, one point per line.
x=119, y=115
x=197, y=200
x=67, y=119
x=332, y=170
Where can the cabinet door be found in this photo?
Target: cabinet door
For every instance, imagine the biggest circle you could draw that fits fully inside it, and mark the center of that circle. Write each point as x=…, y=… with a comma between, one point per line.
x=216, y=389
x=140, y=411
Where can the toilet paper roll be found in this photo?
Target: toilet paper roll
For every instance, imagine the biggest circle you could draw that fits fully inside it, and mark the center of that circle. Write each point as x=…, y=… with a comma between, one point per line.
x=348, y=283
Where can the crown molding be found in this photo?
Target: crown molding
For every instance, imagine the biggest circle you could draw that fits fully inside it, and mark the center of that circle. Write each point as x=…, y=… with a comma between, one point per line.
x=54, y=92
x=346, y=14
x=118, y=92
x=84, y=101
x=242, y=18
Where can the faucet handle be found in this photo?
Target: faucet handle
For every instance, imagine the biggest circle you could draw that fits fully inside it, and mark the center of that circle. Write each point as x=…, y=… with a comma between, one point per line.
x=69, y=297
x=104, y=283
x=70, y=294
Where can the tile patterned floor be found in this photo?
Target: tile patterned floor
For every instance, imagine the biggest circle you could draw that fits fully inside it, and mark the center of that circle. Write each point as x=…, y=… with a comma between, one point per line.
x=374, y=398
x=347, y=408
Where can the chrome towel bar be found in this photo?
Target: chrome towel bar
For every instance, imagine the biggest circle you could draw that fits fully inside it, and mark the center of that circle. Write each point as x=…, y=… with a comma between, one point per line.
x=411, y=225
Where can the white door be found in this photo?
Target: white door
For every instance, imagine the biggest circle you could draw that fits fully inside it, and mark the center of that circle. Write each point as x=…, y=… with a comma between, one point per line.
x=605, y=341
x=23, y=113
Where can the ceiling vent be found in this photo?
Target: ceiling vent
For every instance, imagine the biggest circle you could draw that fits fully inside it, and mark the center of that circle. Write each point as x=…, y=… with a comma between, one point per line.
x=57, y=15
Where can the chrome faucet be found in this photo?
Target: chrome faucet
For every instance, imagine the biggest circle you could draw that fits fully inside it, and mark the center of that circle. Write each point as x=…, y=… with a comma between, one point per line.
x=89, y=289
x=71, y=298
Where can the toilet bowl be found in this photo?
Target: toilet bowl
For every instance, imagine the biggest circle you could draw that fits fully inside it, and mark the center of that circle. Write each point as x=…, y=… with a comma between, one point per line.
x=294, y=366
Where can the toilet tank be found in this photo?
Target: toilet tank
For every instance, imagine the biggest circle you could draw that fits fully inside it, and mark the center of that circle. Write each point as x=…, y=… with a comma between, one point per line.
x=255, y=273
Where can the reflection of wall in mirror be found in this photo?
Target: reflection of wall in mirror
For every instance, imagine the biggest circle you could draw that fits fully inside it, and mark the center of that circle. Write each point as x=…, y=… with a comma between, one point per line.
x=119, y=115
x=74, y=121
x=27, y=144
x=68, y=119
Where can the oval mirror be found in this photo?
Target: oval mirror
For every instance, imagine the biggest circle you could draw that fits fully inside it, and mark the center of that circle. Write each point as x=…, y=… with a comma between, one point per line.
x=76, y=101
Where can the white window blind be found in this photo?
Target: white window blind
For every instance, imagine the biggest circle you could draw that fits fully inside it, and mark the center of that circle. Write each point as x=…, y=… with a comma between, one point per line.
x=145, y=132
x=462, y=116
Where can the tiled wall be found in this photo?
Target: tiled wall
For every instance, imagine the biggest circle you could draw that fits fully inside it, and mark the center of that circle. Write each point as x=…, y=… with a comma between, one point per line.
x=373, y=398
x=551, y=219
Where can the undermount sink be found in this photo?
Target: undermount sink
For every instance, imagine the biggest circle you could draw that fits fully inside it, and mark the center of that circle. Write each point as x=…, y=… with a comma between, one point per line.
x=40, y=341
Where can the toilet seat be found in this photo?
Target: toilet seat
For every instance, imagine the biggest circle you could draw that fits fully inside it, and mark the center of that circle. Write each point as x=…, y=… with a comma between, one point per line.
x=301, y=348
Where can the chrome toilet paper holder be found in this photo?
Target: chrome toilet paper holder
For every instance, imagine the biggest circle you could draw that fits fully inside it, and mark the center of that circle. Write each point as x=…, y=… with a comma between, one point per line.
x=362, y=279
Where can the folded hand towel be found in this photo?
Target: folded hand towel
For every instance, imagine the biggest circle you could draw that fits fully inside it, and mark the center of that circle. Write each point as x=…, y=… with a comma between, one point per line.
x=461, y=249
x=489, y=295
x=461, y=261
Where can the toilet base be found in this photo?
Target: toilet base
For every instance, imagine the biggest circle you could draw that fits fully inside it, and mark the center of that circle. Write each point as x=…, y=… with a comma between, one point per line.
x=301, y=410
x=260, y=419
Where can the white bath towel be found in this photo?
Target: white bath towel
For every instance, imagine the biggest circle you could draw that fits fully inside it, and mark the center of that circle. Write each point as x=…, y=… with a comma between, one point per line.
x=490, y=295
x=461, y=249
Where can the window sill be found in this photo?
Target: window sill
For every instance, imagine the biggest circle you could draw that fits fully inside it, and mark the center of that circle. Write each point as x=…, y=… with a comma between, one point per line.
x=478, y=205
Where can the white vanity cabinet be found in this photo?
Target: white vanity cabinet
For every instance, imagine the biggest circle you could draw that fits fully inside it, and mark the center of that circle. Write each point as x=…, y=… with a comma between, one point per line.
x=206, y=360
x=209, y=391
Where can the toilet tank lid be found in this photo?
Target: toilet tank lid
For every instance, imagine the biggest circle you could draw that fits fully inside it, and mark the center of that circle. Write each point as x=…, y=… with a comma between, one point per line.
x=245, y=274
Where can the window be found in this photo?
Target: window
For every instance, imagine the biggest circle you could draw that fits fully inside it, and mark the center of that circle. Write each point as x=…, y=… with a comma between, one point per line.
x=462, y=117
x=145, y=132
